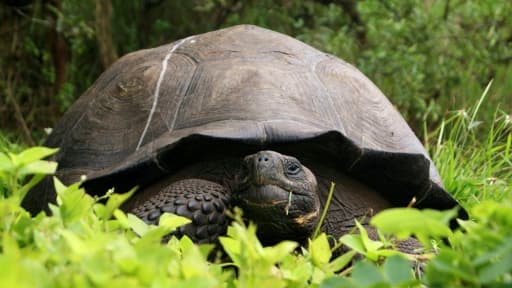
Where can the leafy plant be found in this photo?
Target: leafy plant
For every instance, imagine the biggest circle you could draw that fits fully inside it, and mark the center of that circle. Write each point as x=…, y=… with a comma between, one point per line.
x=14, y=168
x=480, y=253
x=82, y=245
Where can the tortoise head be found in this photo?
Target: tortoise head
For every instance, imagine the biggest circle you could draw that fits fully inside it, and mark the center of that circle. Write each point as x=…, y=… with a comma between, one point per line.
x=279, y=194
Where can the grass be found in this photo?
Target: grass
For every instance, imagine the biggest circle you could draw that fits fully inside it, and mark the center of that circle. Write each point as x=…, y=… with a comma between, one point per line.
x=474, y=157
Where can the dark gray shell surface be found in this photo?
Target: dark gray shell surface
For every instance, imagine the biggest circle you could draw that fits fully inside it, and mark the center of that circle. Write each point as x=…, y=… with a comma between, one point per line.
x=235, y=91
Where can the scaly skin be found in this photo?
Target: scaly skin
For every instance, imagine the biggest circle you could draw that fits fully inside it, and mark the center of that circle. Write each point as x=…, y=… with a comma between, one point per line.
x=275, y=191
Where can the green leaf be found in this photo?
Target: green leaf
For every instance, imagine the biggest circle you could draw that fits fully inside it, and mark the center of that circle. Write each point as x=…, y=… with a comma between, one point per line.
x=337, y=282
x=114, y=201
x=397, y=270
x=232, y=248
x=186, y=244
x=353, y=242
x=320, y=250
x=122, y=218
x=137, y=225
x=276, y=253
x=5, y=163
x=404, y=222
x=341, y=261
x=33, y=154
x=33, y=182
x=369, y=244
x=73, y=202
x=38, y=167
x=152, y=236
x=366, y=274
x=59, y=186
x=172, y=221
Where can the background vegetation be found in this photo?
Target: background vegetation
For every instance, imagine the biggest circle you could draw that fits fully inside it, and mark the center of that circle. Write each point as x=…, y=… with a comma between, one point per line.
x=446, y=65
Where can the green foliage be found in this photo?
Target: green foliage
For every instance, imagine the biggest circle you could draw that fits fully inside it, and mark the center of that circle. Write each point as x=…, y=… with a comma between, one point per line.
x=430, y=55
x=81, y=245
x=15, y=167
x=434, y=223
x=371, y=249
x=474, y=154
x=481, y=250
x=394, y=272
x=91, y=243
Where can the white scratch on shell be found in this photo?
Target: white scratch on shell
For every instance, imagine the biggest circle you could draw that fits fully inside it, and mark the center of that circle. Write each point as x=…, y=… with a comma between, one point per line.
x=157, y=88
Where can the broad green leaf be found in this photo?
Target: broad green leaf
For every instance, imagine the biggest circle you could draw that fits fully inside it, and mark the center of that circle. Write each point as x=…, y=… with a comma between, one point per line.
x=38, y=167
x=353, y=242
x=33, y=154
x=185, y=243
x=397, y=270
x=384, y=253
x=276, y=253
x=320, y=250
x=114, y=201
x=232, y=248
x=5, y=163
x=341, y=261
x=152, y=235
x=366, y=274
x=337, y=282
x=58, y=185
x=404, y=222
x=73, y=202
x=369, y=244
x=172, y=221
x=296, y=269
x=137, y=225
x=30, y=184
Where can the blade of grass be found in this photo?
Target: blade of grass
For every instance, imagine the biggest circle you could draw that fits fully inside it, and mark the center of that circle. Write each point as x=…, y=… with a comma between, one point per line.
x=324, y=211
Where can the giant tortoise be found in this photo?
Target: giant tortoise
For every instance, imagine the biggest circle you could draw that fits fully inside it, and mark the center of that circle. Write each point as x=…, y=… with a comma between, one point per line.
x=245, y=117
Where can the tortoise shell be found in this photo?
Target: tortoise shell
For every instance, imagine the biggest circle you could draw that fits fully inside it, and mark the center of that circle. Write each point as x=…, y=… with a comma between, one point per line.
x=234, y=91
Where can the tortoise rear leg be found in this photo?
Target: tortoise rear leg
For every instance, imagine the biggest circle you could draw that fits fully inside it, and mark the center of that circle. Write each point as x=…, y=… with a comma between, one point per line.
x=204, y=202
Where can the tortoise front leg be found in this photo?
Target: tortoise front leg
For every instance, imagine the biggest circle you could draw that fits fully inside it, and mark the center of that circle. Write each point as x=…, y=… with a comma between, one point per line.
x=204, y=202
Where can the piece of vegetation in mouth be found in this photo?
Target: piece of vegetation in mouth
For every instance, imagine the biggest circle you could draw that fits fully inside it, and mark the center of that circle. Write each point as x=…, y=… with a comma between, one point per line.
x=287, y=208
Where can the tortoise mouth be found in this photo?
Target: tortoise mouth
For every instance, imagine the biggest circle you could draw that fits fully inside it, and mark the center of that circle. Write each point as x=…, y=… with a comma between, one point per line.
x=264, y=195
x=274, y=200
x=279, y=214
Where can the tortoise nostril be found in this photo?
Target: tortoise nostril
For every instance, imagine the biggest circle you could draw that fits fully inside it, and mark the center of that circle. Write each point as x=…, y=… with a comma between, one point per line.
x=265, y=159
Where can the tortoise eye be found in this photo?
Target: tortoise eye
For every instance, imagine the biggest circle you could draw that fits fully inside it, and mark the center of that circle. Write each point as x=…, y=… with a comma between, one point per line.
x=293, y=168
